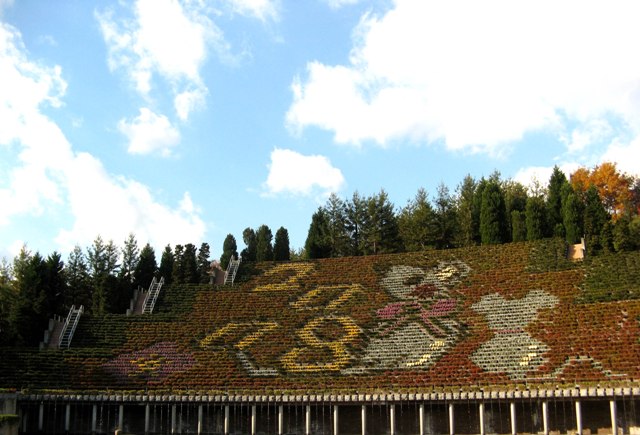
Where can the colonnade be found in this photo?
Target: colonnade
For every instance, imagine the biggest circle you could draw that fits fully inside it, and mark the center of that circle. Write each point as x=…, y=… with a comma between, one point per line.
x=481, y=411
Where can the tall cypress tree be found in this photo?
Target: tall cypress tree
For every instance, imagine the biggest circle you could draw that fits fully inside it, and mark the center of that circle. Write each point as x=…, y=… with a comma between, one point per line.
x=146, y=268
x=535, y=217
x=281, y=250
x=555, y=218
x=468, y=231
x=166, y=265
x=493, y=222
x=264, y=244
x=250, y=252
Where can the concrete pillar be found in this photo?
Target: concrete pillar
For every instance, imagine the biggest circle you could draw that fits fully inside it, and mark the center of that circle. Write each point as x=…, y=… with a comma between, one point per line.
x=421, y=418
x=363, y=419
x=41, y=416
x=335, y=419
x=174, y=420
x=280, y=419
x=545, y=417
x=579, y=417
x=253, y=419
x=614, y=420
x=199, y=419
x=452, y=426
x=512, y=411
x=307, y=420
x=94, y=418
x=392, y=419
x=481, y=415
x=147, y=417
x=67, y=417
x=121, y=416
x=226, y=419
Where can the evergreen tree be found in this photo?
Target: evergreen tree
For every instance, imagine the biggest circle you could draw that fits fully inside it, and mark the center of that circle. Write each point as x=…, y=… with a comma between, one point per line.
x=477, y=207
x=78, y=281
x=204, y=263
x=622, y=240
x=336, y=212
x=468, y=232
x=178, y=274
x=54, y=285
x=281, y=250
x=356, y=216
x=535, y=217
x=166, y=264
x=381, y=231
x=146, y=268
x=555, y=217
x=229, y=251
x=130, y=257
x=190, y=264
x=595, y=217
x=264, y=246
x=417, y=223
x=515, y=199
x=27, y=315
x=493, y=222
x=518, y=226
x=318, y=243
x=446, y=220
x=571, y=214
x=249, y=238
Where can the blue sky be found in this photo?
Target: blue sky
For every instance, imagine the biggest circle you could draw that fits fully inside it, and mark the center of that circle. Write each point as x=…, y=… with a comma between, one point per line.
x=183, y=121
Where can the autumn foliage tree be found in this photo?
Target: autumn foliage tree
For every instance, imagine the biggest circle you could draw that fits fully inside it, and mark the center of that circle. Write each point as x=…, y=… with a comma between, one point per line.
x=613, y=187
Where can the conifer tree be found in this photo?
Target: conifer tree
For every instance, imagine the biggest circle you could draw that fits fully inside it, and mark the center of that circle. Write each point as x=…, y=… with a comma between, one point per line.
x=190, y=264
x=492, y=215
x=229, y=251
x=318, y=244
x=468, y=231
x=146, y=268
x=356, y=214
x=535, y=217
x=250, y=252
x=166, y=264
x=281, y=250
x=264, y=245
x=203, y=262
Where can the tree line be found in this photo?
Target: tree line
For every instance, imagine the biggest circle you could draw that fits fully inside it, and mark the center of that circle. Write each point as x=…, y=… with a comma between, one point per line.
x=260, y=245
x=600, y=204
x=102, y=278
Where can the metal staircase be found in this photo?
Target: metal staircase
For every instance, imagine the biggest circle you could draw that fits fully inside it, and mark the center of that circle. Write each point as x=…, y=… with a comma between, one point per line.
x=152, y=295
x=70, y=326
x=232, y=269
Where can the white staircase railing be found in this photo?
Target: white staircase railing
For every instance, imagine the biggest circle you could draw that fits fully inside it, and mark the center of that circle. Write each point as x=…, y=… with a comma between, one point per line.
x=152, y=295
x=232, y=269
x=69, y=327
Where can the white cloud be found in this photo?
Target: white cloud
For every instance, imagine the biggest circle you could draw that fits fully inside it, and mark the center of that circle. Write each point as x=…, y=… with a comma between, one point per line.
x=261, y=9
x=49, y=176
x=149, y=133
x=337, y=4
x=476, y=75
x=188, y=101
x=625, y=155
x=167, y=38
x=293, y=173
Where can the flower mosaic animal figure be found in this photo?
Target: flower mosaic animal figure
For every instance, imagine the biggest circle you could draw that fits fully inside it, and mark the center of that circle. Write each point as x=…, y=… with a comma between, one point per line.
x=512, y=350
x=420, y=325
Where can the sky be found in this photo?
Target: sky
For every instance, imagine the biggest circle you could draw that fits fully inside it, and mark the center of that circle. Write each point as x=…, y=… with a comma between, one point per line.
x=182, y=121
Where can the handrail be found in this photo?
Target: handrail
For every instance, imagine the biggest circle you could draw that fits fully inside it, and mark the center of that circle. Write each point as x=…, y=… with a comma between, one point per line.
x=75, y=314
x=154, y=291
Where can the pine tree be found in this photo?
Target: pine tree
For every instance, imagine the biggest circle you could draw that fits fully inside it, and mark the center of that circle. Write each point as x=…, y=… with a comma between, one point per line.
x=555, y=218
x=146, y=268
x=356, y=215
x=417, y=223
x=229, y=251
x=264, y=246
x=204, y=264
x=571, y=215
x=381, y=230
x=166, y=265
x=54, y=285
x=446, y=220
x=336, y=213
x=190, y=264
x=78, y=280
x=130, y=257
x=518, y=226
x=595, y=216
x=281, y=250
x=178, y=275
x=318, y=243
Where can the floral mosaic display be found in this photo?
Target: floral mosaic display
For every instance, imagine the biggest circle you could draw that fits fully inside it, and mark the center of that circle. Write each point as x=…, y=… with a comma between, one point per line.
x=480, y=317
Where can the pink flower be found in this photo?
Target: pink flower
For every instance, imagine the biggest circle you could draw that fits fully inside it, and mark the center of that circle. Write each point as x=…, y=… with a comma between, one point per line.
x=391, y=311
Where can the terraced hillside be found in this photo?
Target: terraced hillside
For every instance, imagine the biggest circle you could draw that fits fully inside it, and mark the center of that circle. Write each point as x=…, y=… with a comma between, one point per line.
x=491, y=317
